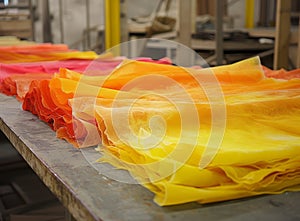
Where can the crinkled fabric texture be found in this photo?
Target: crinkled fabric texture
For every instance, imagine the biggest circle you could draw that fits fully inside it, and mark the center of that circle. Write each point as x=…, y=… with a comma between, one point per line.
x=260, y=146
x=156, y=121
x=282, y=73
x=50, y=99
x=15, y=79
x=18, y=84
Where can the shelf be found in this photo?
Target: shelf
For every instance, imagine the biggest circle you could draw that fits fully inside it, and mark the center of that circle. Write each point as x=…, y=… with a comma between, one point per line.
x=17, y=6
x=17, y=20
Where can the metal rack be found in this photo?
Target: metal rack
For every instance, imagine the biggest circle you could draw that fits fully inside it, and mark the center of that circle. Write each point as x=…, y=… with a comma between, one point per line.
x=282, y=33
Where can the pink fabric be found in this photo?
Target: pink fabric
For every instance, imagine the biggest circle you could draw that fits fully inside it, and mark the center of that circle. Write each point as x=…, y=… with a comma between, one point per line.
x=49, y=67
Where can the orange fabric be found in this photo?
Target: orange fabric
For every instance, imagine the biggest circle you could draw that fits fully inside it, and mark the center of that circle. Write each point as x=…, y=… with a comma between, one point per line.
x=41, y=52
x=259, y=148
x=31, y=49
x=49, y=99
x=18, y=84
x=282, y=73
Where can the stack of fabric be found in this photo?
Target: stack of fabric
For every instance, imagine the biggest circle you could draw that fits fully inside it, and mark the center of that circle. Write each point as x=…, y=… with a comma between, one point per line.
x=186, y=134
x=26, y=69
x=227, y=137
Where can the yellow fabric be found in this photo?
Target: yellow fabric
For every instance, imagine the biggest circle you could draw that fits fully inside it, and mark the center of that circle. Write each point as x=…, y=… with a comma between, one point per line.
x=151, y=134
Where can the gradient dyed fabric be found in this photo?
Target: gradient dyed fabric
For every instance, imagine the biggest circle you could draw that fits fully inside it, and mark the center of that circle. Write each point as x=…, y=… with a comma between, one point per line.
x=41, y=52
x=164, y=138
x=203, y=135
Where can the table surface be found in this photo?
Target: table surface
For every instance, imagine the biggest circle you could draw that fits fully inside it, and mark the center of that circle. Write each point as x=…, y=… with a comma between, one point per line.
x=90, y=196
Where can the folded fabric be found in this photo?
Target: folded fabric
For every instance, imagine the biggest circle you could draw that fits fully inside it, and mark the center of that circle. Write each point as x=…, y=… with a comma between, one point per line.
x=186, y=134
x=42, y=67
x=18, y=84
x=162, y=137
x=282, y=73
x=50, y=99
x=10, y=74
x=41, y=52
x=16, y=78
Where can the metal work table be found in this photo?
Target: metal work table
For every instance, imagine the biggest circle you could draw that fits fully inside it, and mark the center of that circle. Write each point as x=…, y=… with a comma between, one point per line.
x=90, y=196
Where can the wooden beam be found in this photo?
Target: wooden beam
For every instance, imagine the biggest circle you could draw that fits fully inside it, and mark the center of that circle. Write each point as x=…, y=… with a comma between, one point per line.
x=219, y=10
x=185, y=19
x=47, y=31
x=88, y=26
x=298, y=50
x=32, y=17
x=61, y=21
x=282, y=36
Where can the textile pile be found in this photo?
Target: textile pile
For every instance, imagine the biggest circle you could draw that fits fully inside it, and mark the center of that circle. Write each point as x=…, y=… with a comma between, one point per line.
x=186, y=134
